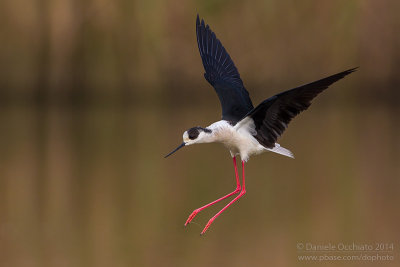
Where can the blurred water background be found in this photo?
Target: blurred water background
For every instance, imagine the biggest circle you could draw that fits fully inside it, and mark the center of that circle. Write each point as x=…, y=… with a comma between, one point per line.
x=95, y=93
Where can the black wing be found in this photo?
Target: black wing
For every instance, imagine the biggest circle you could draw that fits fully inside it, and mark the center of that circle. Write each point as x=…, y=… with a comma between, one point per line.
x=221, y=73
x=272, y=116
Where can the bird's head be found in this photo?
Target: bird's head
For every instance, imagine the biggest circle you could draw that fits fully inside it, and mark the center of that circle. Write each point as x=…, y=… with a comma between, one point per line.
x=192, y=136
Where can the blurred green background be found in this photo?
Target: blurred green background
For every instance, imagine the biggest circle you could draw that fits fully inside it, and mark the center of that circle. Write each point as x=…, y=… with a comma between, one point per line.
x=95, y=93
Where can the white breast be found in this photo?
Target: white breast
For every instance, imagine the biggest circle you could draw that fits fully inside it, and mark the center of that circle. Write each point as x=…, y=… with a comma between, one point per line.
x=239, y=140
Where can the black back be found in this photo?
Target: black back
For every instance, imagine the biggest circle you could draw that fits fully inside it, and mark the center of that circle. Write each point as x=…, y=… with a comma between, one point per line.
x=272, y=116
x=221, y=73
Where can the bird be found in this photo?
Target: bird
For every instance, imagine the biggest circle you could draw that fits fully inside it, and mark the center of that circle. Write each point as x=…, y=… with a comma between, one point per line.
x=244, y=130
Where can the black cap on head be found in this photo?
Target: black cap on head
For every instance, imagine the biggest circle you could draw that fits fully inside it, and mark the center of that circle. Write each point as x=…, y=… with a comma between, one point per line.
x=194, y=132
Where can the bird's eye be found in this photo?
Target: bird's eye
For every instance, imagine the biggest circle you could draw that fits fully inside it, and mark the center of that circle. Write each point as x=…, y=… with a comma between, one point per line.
x=193, y=133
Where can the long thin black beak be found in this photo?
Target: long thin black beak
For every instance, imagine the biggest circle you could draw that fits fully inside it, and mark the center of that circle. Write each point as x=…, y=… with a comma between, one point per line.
x=176, y=149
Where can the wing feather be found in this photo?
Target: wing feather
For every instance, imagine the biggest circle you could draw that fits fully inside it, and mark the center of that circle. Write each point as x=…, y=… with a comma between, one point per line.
x=221, y=73
x=273, y=115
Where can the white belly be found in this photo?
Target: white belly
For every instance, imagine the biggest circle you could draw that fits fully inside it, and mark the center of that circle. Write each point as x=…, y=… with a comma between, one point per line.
x=238, y=141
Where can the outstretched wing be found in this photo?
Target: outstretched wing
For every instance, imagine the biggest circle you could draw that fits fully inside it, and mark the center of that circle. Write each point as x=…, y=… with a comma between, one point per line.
x=221, y=73
x=273, y=115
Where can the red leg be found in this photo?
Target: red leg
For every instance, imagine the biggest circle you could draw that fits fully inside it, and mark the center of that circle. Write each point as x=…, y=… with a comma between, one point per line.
x=230, y=203
x=237, y=190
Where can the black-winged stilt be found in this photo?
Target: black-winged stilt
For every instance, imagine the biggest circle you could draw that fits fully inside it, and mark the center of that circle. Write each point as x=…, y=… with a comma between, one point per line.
x=245, y=130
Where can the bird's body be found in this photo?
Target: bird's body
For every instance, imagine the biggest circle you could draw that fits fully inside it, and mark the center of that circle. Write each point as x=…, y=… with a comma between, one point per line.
x=239, y=139
x=244, y=129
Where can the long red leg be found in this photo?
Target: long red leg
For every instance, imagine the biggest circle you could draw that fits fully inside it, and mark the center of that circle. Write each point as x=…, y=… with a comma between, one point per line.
x=230, y=203
x=237, y=190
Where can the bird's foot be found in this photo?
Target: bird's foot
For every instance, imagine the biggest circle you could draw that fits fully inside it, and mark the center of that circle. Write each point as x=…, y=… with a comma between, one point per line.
x=191, y=216
x=219, y=213
x=208, y=225
x=194, y=213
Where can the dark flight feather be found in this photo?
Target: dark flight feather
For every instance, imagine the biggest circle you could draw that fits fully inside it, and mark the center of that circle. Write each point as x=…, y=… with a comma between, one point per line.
x=221, y=73
x=273, y=115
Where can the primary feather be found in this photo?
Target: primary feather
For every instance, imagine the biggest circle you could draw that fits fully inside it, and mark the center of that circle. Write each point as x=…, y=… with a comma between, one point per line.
x=273, y=115
x=222, y=74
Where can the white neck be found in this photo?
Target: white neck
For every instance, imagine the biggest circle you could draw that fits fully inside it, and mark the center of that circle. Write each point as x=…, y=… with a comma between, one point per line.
x=219, y=131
